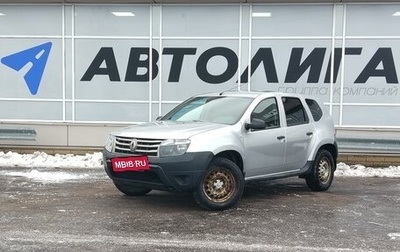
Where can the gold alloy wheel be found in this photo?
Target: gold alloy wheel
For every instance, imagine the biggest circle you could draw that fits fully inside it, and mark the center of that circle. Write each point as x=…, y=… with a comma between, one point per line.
x=219, y=185
x=324, y=170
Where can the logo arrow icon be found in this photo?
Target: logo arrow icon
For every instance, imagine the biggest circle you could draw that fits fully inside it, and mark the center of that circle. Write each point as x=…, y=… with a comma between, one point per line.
x=37, y=56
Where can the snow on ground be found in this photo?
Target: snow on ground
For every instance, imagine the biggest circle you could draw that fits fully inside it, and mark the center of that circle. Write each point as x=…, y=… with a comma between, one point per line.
x=43, y=160
x=344, y=170
x=49, y=168
x=41, y=167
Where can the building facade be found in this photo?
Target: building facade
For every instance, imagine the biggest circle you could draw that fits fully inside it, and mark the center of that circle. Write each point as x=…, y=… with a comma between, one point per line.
x=71, y=72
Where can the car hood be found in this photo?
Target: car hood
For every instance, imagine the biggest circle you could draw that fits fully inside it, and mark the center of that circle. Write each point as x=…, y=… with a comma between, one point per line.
x=167, y=129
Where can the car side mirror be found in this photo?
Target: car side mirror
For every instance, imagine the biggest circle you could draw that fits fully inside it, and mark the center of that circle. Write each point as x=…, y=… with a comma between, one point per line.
x=255, y=124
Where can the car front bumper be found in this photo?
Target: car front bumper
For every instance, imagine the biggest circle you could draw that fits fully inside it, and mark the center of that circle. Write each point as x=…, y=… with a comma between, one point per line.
x=178, y=173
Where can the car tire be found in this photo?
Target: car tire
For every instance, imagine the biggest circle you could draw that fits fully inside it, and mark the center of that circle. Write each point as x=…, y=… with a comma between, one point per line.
x=131, y=190
x=221, y=187
x=321, y=175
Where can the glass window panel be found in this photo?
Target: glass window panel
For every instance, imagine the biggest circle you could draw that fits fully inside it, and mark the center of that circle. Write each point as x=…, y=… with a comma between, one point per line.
x=13, y=84
x=293, y=66
x=68, y=15
x=373, y=20
x=31, y=20
x=31, y=110
x=371, y=75
x=107, y=79
x=201, y=20
x=292, y=20
x=371, y=115
x=120, y=112
x=112, y=20
x=206, y=67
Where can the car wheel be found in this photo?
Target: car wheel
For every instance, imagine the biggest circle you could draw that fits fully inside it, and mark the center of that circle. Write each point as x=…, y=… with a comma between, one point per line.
x=221, y=187
x=321, y=175
x=131, y=190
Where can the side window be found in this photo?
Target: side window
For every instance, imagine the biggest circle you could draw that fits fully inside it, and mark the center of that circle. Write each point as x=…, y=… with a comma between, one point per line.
x=267, y=110
x=315, y=109
x=294, y=110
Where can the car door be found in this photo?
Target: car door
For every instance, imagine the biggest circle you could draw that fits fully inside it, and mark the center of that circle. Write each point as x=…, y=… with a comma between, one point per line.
x=299, y=133
x=265, y=148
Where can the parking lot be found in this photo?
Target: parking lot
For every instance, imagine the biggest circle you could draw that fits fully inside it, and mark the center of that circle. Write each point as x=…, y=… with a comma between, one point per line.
x=87, y=213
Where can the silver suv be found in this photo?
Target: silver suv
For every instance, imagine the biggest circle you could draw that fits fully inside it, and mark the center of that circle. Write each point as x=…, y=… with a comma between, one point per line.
x=212, y=144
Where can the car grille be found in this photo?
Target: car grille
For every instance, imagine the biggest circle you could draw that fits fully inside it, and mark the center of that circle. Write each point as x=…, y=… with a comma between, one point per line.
x=144, y=146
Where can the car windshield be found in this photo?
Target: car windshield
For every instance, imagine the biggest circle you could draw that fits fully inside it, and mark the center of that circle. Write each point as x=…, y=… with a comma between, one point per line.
x=215, y=109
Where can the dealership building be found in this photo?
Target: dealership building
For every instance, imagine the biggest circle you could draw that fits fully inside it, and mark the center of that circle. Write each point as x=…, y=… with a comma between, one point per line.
x=72, y=71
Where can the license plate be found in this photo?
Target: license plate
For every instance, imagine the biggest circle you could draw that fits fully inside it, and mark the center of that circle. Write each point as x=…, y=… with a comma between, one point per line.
x=135, y=163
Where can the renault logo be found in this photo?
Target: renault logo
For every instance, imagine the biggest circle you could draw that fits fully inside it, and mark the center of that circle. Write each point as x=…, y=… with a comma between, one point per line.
x=133, y=145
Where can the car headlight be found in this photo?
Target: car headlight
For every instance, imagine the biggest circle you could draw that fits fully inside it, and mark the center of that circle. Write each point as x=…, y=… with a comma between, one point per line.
x=109, y=143
x=173, y=147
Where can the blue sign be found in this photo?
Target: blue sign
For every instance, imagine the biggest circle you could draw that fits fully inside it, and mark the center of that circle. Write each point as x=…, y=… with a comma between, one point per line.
x=37, y=56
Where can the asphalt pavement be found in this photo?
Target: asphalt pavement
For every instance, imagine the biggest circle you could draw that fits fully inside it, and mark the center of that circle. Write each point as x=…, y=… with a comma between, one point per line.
x=89, y=214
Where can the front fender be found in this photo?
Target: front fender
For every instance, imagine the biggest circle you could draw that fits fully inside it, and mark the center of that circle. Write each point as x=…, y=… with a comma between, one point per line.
x=218, y=141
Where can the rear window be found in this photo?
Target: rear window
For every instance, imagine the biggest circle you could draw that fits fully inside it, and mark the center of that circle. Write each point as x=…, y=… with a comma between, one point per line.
x=315, y=109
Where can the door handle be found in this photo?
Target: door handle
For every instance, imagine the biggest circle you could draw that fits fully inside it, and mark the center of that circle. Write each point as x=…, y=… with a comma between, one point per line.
x=281, y=138
x=309, y=133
